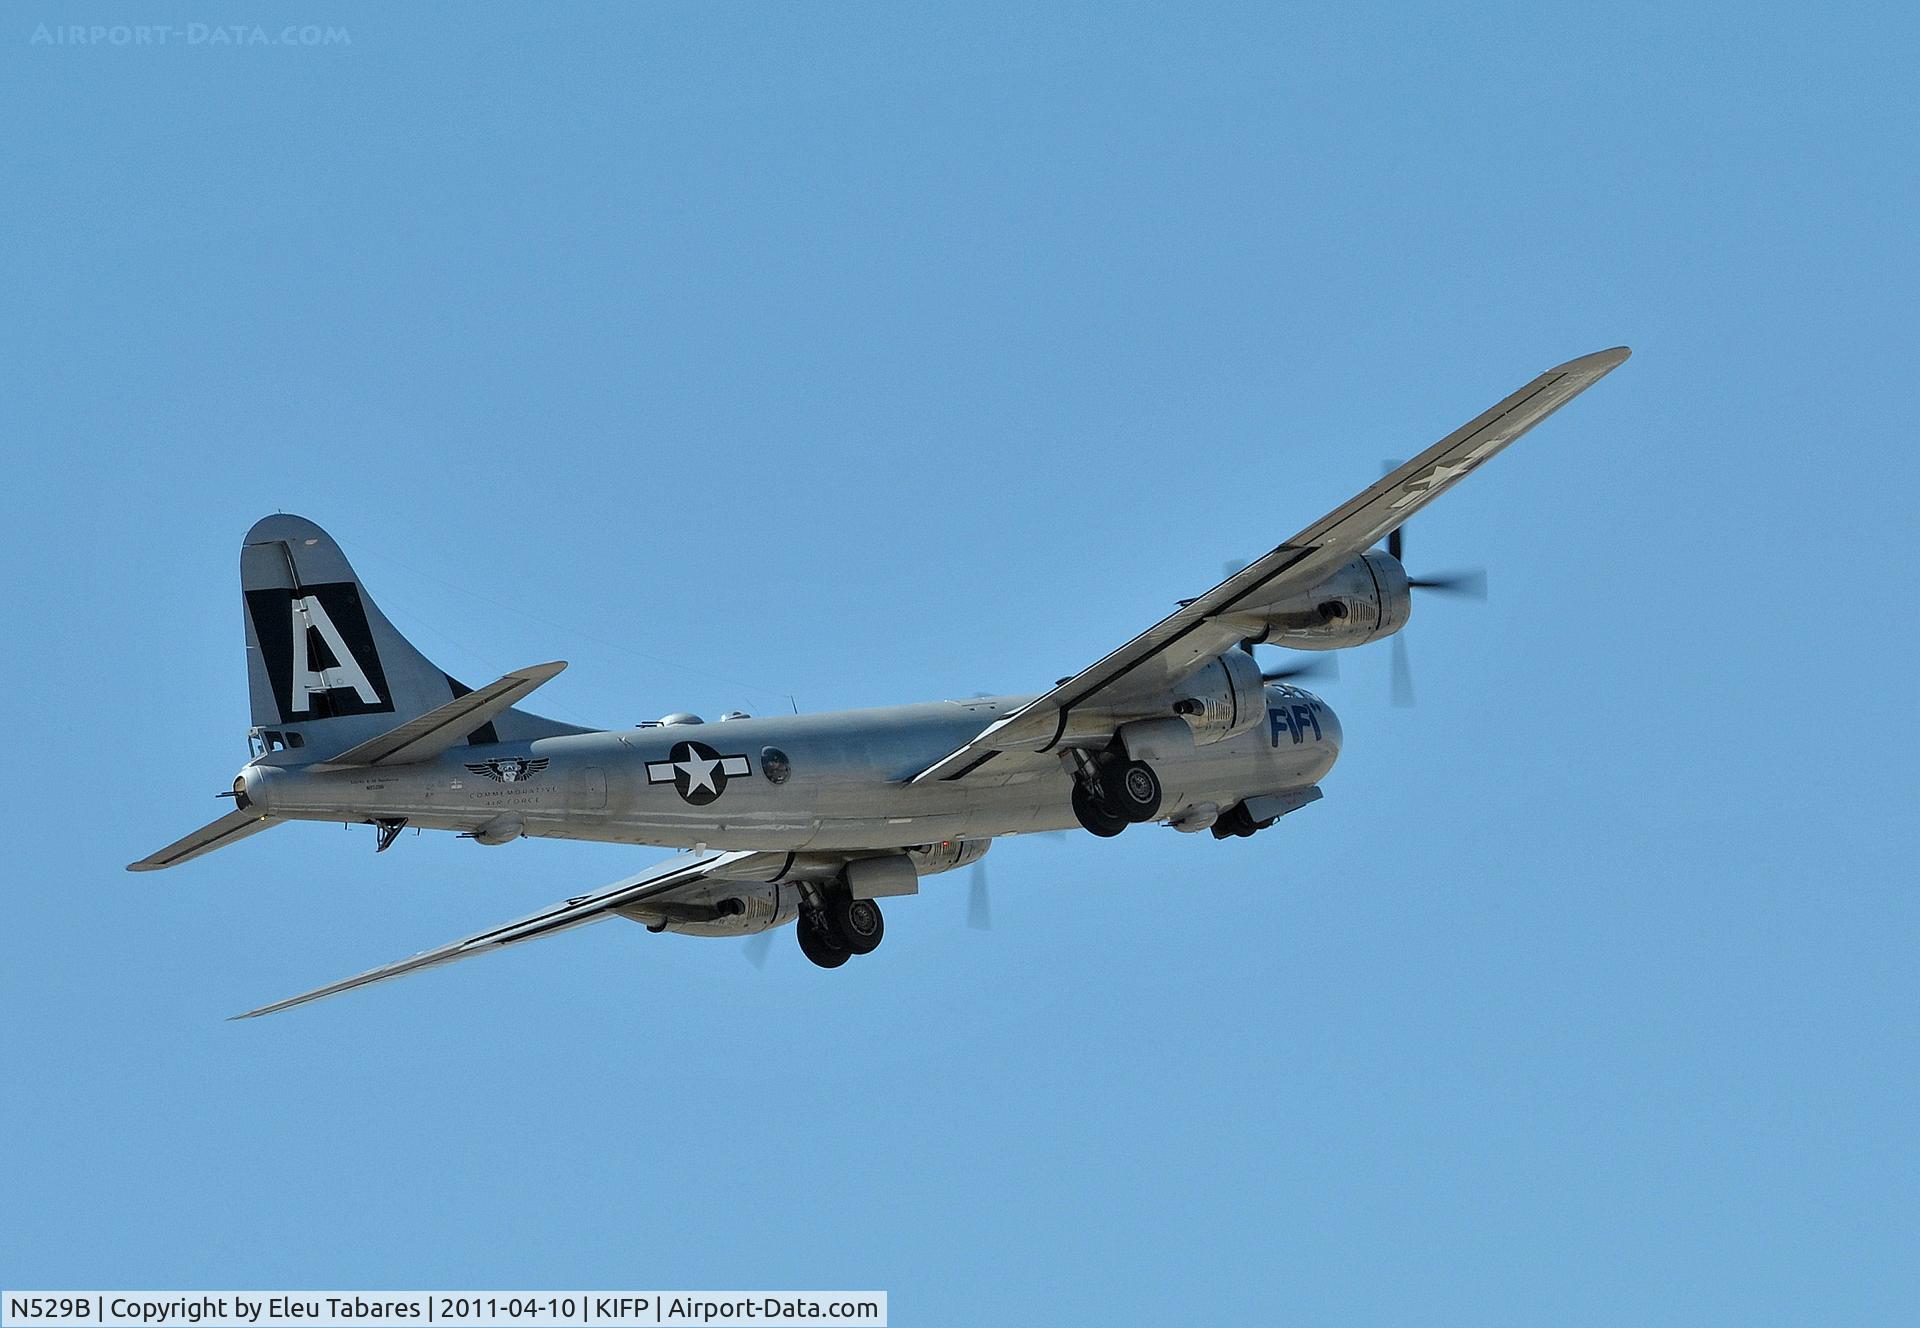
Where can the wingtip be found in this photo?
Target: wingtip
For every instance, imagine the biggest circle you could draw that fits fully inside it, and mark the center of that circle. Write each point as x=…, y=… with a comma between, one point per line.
x=1599, y=362
x=275, y=1008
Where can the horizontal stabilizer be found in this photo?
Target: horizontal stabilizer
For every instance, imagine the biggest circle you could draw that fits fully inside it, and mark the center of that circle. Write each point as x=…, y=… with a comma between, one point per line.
x=425, y=737
x=229, y=829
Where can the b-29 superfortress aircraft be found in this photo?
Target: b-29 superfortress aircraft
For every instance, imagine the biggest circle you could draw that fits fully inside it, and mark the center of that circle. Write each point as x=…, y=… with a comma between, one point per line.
x=814, y=818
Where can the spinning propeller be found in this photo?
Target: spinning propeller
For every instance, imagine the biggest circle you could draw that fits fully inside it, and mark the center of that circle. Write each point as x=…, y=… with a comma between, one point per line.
x=1324, y=666
x=1470, y=583
x=979, y=907
x=756, y=946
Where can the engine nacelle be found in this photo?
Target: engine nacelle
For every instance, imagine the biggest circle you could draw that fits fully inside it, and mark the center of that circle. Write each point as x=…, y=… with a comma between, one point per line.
x=723, y=908
x=1225, y=698
x=1364, y=601
x=930, y=859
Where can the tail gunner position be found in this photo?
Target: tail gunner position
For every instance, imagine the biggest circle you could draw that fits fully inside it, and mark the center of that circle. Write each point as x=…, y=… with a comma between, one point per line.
x=814, y=818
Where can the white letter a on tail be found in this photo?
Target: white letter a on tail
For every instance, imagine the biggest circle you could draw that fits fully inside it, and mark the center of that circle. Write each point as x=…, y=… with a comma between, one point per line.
x=307, y=613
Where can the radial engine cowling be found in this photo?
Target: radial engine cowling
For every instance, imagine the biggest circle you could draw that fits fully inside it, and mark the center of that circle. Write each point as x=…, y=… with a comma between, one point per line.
x=929, y=859
x=722, y=908
x=1364, y=601
x=1224, y=698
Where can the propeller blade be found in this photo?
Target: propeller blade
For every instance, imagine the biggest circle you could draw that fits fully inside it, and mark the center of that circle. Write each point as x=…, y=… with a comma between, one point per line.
x=757, y=946
x=1470, y=584
x=1318, y=666
x=979, y=908
x=1402, y=674
x=1387, y=467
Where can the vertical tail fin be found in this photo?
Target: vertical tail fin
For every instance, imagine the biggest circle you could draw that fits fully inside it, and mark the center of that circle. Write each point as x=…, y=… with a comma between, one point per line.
x=325, y=668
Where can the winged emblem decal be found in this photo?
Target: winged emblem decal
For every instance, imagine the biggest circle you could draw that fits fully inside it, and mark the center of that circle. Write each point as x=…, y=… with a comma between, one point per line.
x=509, y=769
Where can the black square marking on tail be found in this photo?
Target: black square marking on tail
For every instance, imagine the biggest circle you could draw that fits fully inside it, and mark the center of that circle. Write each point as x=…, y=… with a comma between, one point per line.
x=336, y=608
x=483, y=736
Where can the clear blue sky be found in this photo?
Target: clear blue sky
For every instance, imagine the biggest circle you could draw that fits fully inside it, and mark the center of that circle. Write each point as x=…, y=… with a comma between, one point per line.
x=876, y=353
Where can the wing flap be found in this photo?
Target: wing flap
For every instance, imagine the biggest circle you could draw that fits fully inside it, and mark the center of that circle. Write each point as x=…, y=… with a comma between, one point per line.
x=662, y=879
x=426, y=736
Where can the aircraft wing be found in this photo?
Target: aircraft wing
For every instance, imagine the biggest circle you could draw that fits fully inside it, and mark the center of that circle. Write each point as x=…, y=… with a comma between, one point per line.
x=664, y=878
x=1218, y=620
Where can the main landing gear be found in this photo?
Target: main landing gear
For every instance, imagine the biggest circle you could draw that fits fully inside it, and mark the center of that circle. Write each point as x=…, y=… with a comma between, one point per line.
x=1111, y=792
x=834, y=926
x=1236, y=821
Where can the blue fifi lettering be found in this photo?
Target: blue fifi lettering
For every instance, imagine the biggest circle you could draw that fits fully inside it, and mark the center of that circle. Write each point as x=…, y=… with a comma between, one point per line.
x=1279, y=721
x=1295, y=720
x=1302, y=716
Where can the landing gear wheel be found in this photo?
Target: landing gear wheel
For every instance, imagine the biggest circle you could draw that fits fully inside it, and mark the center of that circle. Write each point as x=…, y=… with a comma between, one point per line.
x=858, y=922
x=1237, y=821
x=1233, y=821
x=1093, y=815
x=1132, y=790
x=818, y=941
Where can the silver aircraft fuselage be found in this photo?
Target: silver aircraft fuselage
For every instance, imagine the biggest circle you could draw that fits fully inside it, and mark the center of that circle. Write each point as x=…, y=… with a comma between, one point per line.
x=813, y=819
x=827, y=781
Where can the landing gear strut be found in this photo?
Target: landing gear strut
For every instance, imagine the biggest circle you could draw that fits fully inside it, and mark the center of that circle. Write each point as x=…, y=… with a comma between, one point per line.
x=834, y=926
x=1111, y=792
x=386, y=830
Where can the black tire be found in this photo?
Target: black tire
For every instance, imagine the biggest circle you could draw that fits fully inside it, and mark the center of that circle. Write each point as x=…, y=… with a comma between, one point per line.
x=818, y=941
x=1132, y=790
x=1233, y=821
x=1093, y=815
x=858, y=923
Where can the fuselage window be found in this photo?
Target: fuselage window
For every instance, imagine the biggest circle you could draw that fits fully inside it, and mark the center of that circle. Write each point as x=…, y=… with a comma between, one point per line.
x=774, y=765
